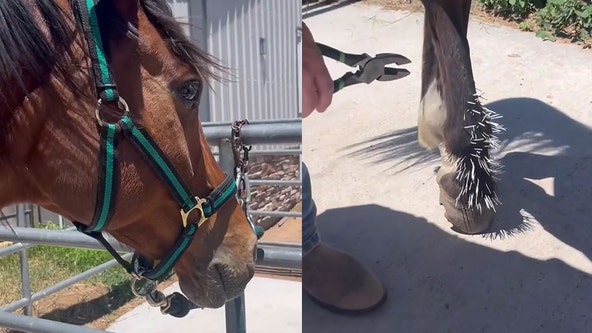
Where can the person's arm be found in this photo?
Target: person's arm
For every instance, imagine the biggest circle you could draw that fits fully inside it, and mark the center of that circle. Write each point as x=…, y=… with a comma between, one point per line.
x=317, y=85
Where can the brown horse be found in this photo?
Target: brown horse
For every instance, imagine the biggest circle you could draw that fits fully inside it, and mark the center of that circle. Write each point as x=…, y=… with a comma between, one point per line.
x=452, y=119
x=51, y=141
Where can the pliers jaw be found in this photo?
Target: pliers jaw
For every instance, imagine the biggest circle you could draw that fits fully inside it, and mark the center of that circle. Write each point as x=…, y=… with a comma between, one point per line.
x=369, y=68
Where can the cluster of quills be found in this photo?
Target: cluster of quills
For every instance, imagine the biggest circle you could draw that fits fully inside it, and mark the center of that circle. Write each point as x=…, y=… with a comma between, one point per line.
x=477, y=168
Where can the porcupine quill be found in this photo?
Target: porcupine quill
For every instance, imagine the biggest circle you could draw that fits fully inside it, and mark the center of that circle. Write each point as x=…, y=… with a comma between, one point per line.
x=477, y=169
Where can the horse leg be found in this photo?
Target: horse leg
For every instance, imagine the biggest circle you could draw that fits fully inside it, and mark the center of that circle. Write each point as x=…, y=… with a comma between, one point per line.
x=452, y=119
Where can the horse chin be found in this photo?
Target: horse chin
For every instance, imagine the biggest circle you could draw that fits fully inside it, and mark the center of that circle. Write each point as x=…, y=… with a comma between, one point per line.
x=231, y=284
x=224, y=279
x=212, y=297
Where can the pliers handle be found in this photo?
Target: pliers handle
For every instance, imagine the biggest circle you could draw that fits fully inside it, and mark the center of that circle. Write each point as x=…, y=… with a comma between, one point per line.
x=369, y=68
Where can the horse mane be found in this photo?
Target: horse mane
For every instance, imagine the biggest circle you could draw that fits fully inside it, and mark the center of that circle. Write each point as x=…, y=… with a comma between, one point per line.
x=25, y=50
x=161, y=16
x=23, y=43
x=36, y=41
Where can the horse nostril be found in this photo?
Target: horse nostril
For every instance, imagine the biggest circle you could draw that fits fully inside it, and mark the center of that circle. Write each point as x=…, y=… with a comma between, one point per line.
x=219, y=268
x=224, y=271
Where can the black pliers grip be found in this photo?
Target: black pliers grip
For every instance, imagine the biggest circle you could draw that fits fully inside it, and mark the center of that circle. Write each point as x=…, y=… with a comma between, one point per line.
x=369, y=68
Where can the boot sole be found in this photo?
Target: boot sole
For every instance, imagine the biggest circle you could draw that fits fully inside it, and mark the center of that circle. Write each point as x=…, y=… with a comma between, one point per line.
x=339, y=310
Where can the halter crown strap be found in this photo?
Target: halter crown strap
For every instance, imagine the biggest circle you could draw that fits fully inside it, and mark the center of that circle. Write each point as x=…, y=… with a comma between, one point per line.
x=104, y=82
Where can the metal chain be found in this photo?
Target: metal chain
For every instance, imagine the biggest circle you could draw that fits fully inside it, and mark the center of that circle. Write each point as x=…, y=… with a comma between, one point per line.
x=241, y=156
x=157, y=299
x=141, y=286
x=175, y=304
x=241, y=162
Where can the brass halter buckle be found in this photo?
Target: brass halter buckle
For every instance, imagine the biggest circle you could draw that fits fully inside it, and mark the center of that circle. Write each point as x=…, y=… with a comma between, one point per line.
x=199, y=206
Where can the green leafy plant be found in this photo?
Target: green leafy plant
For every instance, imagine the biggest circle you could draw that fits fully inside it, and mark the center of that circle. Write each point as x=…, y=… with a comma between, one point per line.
x=516, y=10
x=550, y=19
x=566, y=18
x=527, y=25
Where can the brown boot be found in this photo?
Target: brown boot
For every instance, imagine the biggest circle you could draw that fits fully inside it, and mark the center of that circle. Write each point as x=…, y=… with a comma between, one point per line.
x=339, y=282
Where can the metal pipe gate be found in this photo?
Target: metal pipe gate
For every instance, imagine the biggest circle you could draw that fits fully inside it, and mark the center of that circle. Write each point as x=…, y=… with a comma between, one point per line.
x=268, y=254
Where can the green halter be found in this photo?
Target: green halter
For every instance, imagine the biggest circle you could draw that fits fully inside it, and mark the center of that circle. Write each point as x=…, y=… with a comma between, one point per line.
x=110, y=136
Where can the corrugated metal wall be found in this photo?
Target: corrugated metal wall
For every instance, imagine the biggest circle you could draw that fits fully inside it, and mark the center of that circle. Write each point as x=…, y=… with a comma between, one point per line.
x=259, y=41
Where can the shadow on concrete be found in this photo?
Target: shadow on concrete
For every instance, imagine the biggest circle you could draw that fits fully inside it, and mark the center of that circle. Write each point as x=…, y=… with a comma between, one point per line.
x=438, y=282
x=88, y=311
x=535, y=128
x=541, y=145
x=314, y=8
x=399, y=149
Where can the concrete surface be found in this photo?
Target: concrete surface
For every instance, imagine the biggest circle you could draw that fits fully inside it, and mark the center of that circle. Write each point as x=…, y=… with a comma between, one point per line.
x=378, y=199
x=272, y=305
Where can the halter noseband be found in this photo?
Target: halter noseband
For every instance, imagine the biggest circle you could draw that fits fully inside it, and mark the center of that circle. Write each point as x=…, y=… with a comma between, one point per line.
x=110, y=135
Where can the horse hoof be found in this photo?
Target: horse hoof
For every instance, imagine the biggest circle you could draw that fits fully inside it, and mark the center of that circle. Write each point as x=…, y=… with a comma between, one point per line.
x=464, y=220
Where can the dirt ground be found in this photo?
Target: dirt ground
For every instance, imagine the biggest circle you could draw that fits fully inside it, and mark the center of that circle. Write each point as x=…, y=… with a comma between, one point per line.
x=289, y=231
x=83, y=304
x=477, y=11
x=285, y=231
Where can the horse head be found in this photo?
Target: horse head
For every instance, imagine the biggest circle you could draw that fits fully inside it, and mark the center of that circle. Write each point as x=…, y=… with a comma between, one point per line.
x=100, y=124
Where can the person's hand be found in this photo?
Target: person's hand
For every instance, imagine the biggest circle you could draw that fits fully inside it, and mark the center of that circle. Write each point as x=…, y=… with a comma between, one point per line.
x=317, y=85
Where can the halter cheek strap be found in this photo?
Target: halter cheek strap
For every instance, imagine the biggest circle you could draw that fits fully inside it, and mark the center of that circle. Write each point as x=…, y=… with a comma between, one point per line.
x=111, y=134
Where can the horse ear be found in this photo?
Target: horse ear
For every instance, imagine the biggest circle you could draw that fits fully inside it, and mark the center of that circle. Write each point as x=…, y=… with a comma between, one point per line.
x=128, y=9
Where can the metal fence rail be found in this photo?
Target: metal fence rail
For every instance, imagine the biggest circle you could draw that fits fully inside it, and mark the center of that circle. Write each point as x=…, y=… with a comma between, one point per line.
x=270, y=255
x=26, y=301
x=287, y=131
x=38, y=325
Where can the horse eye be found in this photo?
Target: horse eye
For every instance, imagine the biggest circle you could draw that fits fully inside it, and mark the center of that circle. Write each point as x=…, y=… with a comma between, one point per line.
x=190, y=91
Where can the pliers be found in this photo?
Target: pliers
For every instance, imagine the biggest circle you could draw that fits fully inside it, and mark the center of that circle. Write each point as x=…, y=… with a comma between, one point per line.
x=369, y=68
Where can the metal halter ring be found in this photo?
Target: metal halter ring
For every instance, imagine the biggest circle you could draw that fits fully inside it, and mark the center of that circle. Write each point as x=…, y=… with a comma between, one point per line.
x=148, y=287
x=156, y=298
x=121, y=103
